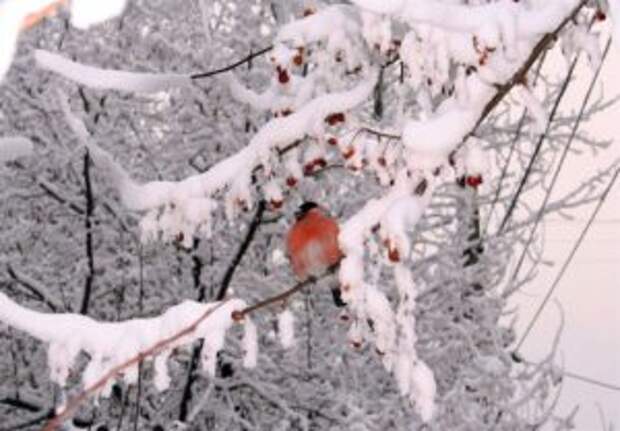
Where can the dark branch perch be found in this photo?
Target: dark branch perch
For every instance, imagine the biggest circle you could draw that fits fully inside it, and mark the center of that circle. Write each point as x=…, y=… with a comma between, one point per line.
x=232, y=66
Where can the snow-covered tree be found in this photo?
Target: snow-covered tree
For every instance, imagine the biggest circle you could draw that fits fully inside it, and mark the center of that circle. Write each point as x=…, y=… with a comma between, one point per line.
x=153, y=154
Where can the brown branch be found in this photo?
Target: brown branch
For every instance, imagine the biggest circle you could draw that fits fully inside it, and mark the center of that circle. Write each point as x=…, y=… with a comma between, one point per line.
x=238, y=315
x=232, y=66
x=34, y=289
x=74, y=403
x=520, y=76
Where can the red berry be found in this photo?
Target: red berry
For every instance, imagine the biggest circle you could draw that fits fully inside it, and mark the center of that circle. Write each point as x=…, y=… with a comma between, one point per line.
x=335, y=118
x=348, y=153
x=332, y=141
x=600, y=15
x=283, y=77
x=382, y=162
x=309, y=168
x=291, y=181
x=276, y=204
x=298, y=59
x=393, y=255
x=474, y=181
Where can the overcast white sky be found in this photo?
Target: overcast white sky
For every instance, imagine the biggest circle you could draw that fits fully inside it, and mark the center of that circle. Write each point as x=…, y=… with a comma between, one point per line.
x=590, y=290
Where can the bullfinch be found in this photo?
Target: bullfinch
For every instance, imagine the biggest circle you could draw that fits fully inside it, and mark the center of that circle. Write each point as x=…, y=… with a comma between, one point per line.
x=312, y=244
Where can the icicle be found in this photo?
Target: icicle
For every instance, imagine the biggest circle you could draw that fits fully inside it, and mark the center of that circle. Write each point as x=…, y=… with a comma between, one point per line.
x=250, y=344
x=286, y=328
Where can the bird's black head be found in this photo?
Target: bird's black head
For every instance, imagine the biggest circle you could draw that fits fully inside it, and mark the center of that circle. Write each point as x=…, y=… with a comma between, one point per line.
x=304, y=208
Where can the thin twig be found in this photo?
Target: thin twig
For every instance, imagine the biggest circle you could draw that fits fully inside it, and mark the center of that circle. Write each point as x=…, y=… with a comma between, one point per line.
x=513, y=147
x=238, y=315
x=591, y=381
x=232, y=66
x=88, y=283
x=243, y=248
x=74, y=403
x=547, y=39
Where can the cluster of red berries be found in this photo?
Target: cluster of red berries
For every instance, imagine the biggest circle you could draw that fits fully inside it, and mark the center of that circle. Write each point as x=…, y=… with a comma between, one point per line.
x=335, y=118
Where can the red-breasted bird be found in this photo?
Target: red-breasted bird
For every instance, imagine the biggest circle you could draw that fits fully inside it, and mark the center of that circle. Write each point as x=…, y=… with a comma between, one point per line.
x=312, y=244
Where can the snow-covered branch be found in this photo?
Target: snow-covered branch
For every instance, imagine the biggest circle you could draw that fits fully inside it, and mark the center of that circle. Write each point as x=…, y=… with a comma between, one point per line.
x=109, y=79
x=187, y=204
x=116, y=348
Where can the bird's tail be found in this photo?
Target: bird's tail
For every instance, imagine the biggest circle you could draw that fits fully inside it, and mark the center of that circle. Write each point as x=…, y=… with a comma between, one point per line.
x=334, y=286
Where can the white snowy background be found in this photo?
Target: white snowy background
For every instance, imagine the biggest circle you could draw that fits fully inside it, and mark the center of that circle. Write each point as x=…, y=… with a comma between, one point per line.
x=590, y=290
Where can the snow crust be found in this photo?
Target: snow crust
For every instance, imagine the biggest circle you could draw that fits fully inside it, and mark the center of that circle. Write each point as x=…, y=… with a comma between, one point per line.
x=86, y=13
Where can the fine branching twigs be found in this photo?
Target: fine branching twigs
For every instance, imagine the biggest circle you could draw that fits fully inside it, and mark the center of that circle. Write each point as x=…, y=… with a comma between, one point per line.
x=568, y=260
x=558, y=169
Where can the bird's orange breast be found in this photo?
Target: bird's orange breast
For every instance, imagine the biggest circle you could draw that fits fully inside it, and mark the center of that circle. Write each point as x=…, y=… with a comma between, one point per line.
x=312, y=244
